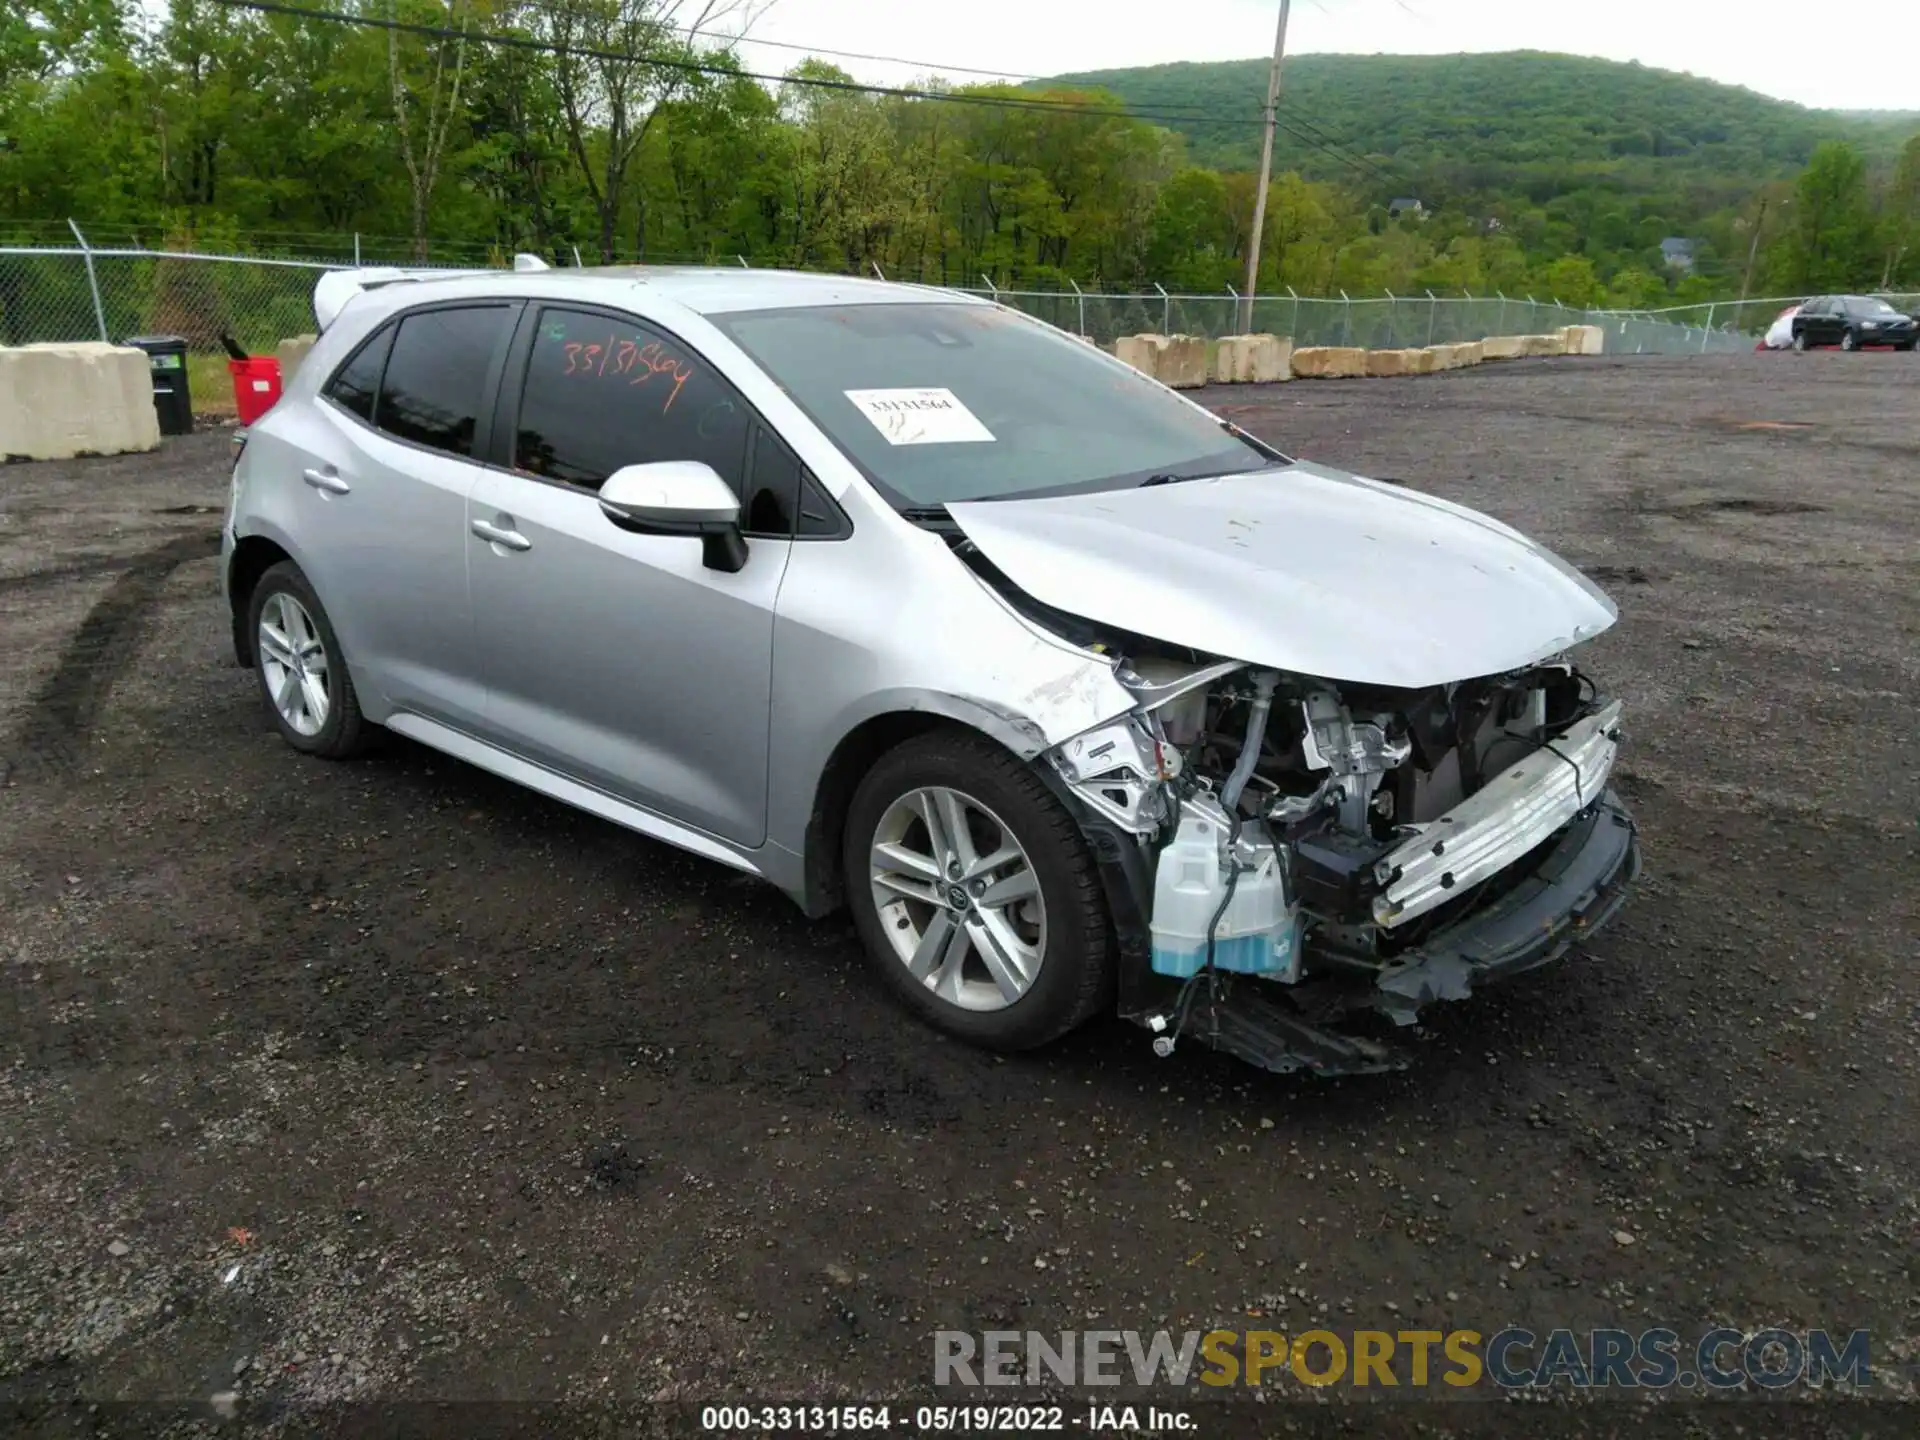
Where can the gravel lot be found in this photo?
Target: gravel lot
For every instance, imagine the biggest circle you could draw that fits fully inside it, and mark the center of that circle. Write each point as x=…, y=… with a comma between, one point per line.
x=388, y=1082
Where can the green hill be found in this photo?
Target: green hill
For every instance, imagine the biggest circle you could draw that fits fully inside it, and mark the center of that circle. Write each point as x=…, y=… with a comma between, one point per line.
x=1445, y=127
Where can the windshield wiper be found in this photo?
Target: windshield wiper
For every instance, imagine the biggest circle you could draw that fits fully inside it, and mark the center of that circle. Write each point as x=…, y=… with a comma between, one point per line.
x=1171, y=478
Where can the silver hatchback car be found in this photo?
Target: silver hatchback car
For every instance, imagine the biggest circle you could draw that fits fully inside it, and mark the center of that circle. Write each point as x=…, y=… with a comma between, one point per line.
x=1076, y=695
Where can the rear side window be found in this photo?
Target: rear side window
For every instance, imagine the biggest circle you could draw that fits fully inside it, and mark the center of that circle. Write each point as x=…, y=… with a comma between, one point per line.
x=601, y=393
x=353, y=388
x=436, y=376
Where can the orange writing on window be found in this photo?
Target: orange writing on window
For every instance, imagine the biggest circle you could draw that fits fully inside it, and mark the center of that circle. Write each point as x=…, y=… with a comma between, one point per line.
x=622, y=357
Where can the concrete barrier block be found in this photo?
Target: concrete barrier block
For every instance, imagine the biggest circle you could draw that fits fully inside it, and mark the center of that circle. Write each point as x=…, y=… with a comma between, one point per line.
x=1423, y=361
x=1503, y=347
x=1142, y=352
x=1554, y=344
x=1583, y=340
x=1223, y=361
x=1182, y=362
x=1250, y=359
x=1328, y=362
x=291, y=352
x=1382, y=363
x=1472, y=352
x=1269, y=358
x=58, y=401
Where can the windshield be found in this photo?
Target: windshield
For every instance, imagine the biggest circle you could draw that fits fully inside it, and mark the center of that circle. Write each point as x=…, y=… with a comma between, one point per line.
x=945, y=402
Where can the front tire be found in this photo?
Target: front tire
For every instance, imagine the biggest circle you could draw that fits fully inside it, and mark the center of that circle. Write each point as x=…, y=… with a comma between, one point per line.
x=975, y=895
x=302, y=672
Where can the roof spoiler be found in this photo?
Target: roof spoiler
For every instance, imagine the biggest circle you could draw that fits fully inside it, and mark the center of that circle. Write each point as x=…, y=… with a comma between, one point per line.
x=336, y=287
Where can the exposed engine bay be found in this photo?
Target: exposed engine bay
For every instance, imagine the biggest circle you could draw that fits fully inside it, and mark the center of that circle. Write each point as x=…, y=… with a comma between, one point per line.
x=1300, y=830
x=1284, y=852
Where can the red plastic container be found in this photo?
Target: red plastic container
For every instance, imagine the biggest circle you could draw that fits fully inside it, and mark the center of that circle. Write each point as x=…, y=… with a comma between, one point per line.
x=256, y=385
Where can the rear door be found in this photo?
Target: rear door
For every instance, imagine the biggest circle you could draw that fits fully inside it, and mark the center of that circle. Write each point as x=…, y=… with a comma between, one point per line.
x=386, y=478
x=616, y=659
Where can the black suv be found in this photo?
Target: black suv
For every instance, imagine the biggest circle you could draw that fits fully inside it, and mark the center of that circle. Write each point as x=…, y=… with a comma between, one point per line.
x=1851, y=321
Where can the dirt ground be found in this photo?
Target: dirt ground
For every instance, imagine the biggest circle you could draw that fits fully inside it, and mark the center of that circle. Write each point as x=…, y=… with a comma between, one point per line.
x=387, y=1082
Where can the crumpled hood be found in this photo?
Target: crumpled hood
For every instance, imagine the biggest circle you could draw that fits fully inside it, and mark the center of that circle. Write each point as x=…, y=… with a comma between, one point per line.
x=1298, y=568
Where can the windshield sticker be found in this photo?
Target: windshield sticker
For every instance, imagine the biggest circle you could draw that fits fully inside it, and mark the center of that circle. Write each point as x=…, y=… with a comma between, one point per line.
x=919, y=417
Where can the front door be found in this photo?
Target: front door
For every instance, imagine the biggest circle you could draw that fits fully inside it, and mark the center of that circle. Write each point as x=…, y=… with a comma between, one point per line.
x=620, y=660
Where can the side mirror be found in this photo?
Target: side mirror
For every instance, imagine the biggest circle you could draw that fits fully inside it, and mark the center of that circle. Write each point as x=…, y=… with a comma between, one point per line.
x=678, y=497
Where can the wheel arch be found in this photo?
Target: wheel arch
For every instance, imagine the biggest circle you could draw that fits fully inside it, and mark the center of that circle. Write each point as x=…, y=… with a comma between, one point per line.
x=856, y=753
x=253, y=556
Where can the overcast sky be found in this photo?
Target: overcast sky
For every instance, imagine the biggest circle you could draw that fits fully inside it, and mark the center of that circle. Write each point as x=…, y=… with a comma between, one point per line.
x=1846, y=54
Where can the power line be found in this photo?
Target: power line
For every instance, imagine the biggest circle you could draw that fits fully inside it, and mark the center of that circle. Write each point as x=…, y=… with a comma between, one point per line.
x=930, y=67
x=1312, y=135
x=696, y=67
x=686, y=66
x=925, y=66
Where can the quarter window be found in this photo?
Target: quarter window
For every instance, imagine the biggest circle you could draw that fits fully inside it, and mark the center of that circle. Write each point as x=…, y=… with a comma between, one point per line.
x=436, y=377
x=601, y=393
x=353, y=388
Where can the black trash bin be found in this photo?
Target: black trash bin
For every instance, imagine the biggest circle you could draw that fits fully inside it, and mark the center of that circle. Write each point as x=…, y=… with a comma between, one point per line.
x=172, y=399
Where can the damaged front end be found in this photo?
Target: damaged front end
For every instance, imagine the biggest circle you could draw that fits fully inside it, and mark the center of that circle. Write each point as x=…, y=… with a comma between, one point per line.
x=1285, y=856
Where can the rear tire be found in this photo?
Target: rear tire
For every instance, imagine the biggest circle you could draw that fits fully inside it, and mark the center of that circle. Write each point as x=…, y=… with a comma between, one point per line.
x=926, y=909
x=1849, y=341
x=1800, y=341
x=302, y=671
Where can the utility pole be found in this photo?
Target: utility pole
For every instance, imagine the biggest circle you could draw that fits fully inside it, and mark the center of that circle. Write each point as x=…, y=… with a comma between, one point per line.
x=1266, y=167
x=1753, y=250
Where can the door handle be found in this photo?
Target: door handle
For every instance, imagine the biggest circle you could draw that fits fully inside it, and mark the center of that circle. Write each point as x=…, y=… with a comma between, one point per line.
x=501, y=535
x=326, y=480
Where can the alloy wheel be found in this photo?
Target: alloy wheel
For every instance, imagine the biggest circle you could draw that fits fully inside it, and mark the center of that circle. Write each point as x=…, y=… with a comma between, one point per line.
x=293, y=659
x=958, y=898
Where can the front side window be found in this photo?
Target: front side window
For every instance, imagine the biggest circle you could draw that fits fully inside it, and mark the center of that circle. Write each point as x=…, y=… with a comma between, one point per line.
x=601, y=393
x=357, y=382
x=436, y=378
x=943, y=402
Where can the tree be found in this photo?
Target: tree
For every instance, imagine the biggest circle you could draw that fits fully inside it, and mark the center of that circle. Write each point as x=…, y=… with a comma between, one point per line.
x=1569, y=279
x=1903, y=214
x=707, y=145
x=1636, y=288
x=1194, y=243
x=207, y=96
x=1829, y=245
x=426, y=100
x=617, y=61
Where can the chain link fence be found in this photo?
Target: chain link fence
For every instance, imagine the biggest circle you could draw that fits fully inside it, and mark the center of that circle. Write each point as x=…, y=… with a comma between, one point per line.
x=49, y=294
x=66, y=293
x=1387, y=322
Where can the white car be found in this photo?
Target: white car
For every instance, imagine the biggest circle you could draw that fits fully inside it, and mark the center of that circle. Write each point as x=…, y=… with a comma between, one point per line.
x=1779, y=335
